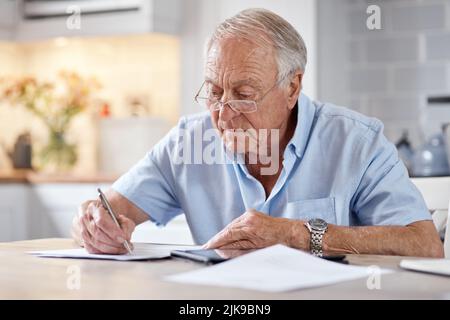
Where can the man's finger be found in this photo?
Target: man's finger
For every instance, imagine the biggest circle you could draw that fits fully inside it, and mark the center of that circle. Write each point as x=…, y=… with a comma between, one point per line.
x=99, y=234
x=76, y=230
x=97, y=246
x=225, y=237
x=127, y=226
x=240, y=245
x=83, y=209
x=87, y=223
x=106, y=248
x=104, y=221
x=236, y=225
x=91, y=249
x=86, y=238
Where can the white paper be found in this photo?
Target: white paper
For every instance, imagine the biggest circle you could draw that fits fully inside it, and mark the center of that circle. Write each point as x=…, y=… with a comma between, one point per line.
x=142, y=251
x=437, y=266
x=274, y=269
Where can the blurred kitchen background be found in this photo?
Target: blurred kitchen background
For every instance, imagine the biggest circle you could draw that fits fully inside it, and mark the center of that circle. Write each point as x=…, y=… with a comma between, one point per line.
x=84, y=96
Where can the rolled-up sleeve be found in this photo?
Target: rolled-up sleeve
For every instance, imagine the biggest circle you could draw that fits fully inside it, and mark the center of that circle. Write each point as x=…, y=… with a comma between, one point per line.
x=385, y=195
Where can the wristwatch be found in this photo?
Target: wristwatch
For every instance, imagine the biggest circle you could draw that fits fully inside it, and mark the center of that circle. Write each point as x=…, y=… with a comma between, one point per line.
x=317, y=228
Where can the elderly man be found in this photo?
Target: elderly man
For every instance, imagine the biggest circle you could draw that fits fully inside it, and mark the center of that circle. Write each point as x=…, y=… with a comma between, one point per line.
x=305, y=174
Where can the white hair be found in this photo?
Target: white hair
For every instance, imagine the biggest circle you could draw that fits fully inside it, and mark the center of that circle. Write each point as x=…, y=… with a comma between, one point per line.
x=266, y=28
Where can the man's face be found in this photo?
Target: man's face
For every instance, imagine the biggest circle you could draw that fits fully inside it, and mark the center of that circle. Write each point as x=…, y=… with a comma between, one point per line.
x=237, y=69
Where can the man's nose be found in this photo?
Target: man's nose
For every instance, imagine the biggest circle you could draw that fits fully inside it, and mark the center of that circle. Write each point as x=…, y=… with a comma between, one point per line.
x=226, y=113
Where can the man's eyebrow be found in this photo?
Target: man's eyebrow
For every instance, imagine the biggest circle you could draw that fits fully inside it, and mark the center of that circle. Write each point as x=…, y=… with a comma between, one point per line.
x=209, y=80
x=249, y=81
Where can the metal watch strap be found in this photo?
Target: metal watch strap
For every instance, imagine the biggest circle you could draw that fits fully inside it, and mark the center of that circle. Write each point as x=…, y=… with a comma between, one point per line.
x=316, y=242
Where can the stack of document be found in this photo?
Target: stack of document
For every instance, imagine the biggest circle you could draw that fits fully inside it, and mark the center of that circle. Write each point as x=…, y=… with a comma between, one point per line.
x=142, y=251
x=435, y=266
x=275, y=269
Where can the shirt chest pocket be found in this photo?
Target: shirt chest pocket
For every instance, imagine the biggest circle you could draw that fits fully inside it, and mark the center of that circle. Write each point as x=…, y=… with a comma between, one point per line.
x=314, y=208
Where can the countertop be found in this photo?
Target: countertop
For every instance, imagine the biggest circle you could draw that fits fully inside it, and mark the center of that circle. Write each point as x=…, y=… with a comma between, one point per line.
x=30, y=177
x=23, y=276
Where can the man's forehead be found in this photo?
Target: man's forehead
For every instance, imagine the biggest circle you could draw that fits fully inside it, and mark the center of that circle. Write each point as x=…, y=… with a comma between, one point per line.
x=237, y=75
x=234, y=51
x=236, y=81
x=235, y=58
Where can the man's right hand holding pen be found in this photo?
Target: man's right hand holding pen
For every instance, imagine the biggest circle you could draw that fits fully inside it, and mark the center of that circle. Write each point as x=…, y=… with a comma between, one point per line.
x=94, y=229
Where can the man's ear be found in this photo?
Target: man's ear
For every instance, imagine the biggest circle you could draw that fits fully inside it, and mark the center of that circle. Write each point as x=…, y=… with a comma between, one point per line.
x=295, y=86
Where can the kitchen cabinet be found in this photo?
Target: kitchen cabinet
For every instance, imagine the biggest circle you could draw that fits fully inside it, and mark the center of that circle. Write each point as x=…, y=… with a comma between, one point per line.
x=13, y=212
x=45, y=210
x=45, y=19
x=53, y=206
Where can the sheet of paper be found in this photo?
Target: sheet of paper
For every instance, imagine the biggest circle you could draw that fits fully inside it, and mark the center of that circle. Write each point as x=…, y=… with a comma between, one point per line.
x=142, y=251
x=275, y=269
x=436, y=266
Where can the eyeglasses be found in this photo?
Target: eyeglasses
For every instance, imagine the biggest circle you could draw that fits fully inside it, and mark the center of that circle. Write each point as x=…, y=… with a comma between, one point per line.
x=241, y=106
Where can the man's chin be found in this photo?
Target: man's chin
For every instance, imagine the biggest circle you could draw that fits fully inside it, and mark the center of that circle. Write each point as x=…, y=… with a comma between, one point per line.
x=234, y=148
x=237, y=148
x=239, y=142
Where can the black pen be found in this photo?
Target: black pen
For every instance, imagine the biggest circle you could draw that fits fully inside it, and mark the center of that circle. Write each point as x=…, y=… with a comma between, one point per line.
x=108, y=208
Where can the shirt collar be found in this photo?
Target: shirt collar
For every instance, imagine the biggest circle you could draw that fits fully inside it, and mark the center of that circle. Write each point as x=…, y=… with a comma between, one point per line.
x=305, y=118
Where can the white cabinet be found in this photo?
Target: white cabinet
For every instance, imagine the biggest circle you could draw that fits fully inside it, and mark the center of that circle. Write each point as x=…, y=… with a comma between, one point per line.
x=33, y=211
x=13, y=212
x=44, y=19
x=53, y=206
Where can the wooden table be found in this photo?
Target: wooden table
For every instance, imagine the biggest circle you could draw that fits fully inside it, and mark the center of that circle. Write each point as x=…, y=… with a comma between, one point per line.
x=27, y=277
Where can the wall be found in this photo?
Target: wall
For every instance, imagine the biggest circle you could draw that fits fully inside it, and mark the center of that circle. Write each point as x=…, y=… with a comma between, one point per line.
x=202, y=16
x=387, y=73
x=149, y=64
x=145, y=67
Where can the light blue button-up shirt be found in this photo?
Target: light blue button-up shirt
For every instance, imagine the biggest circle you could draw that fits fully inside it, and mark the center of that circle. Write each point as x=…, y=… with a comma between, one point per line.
x=338, y=166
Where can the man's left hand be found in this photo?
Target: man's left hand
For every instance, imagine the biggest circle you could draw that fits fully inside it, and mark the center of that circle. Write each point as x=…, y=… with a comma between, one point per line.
x=254, y=230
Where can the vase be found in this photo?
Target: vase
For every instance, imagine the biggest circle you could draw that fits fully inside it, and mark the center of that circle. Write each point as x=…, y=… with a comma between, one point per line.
x=58, y=155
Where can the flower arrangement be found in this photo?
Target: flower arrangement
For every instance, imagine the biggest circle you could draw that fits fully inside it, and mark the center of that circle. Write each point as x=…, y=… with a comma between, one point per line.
x=56, y=104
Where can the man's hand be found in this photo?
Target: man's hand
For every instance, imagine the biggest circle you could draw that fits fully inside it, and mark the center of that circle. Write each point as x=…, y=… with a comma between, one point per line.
x=254, y=230
x=94, y=229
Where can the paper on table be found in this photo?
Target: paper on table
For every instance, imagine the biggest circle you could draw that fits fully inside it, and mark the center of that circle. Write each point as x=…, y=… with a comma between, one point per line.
x=142, y=251
x=436, y=266
x=274, y=269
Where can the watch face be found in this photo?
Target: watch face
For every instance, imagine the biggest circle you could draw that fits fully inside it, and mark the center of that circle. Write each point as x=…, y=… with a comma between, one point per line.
x=318, y=224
